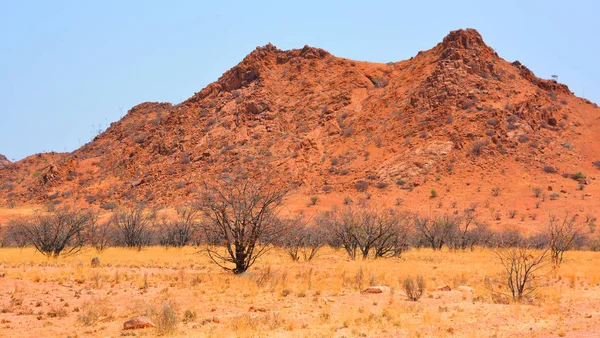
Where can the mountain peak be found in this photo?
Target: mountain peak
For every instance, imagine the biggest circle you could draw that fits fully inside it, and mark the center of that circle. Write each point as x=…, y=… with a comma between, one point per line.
x=463, y=38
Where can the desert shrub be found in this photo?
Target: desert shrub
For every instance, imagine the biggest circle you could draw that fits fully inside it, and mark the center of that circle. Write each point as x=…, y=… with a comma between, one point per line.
x=109, y=205
x=381, y=185
x=400, y=182
x=597, y=164
x=492, y=122
x=523, y=138
x=433, y=193
x=537, y=191
x=414, y=289
x=512, y=119
x=327, y=188
x=361, y=185
x=549, y=169
x=478, y=146
x=166, y=319
x=511, y=126
x=94, y=310
x=578, y=176
x=554, y=196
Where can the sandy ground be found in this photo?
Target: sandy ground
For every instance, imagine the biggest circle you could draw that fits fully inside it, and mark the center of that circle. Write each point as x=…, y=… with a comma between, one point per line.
x=280, y=298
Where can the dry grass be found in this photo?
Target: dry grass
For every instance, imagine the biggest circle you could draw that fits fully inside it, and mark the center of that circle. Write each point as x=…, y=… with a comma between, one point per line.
x=186, y=295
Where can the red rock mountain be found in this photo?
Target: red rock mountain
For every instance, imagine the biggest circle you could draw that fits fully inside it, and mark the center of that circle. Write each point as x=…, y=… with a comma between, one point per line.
x=456, y=118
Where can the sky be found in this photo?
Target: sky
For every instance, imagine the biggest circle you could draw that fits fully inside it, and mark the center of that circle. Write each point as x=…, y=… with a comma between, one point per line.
x=70, y=68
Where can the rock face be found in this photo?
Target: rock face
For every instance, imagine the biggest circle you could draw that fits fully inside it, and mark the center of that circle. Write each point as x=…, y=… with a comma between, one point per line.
x=138, y=323
x=323, y=124
x=3, y=161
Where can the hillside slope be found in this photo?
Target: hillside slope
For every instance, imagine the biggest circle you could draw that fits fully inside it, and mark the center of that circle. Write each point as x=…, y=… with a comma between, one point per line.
x=456, y=118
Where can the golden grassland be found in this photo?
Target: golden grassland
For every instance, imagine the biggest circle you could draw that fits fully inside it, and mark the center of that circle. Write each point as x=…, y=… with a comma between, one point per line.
x=186, y=295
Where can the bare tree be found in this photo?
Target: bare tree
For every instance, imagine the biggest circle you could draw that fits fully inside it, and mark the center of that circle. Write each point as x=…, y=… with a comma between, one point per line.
x=394, y=229
x=562, y=233
x=55, y=233
x=300, y=239
x=99, y=233
x=520, y=265
x=133, y=226
x=436, y=231
x=368, y=232
x=179, y=232
x=240, y=215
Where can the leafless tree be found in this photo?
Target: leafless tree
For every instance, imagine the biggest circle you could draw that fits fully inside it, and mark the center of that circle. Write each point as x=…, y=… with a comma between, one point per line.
x=240, y=215
x=133, y=226
x=181, y=231
x=562, y=233
x=381, y=233
x=520, y=266
x=99, y=234
x=300, y=239
x=436, y=231
x=55, y=233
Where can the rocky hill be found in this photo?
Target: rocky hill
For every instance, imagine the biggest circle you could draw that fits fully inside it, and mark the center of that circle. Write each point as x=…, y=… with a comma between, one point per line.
x=457, y=119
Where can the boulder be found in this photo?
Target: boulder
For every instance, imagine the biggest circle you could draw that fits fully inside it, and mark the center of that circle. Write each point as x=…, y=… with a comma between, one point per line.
x=138, y=323
x=444, y=288
x=376, y=289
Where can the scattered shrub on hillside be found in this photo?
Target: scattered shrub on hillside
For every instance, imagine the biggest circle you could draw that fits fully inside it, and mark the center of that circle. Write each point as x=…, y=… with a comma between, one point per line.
x=361, y=185
x=537, y=191
x=578, y=176
x=477, y=147
x=597, y=164
x=554, y=196
x=523, y=138
x=327, y=188
x=433, y=193
x=549, y=169
x=381, y=185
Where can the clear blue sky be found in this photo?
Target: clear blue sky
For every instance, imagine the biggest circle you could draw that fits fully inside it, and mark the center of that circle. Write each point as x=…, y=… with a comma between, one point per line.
x=67, y=68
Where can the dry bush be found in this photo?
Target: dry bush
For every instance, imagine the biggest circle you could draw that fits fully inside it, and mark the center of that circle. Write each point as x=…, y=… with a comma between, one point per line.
x=478, y=146
x=96, y=309
x=166, y=319
x=414, y=289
